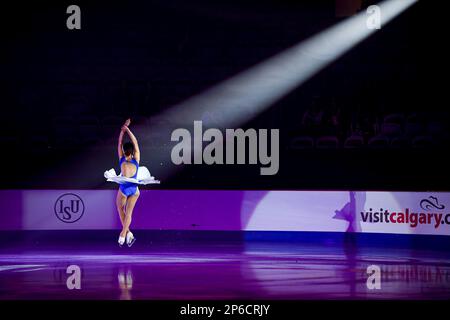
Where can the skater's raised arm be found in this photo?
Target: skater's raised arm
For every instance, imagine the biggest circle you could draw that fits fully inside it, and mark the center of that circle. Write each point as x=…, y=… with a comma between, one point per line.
x=137, y=153
x=119, y=144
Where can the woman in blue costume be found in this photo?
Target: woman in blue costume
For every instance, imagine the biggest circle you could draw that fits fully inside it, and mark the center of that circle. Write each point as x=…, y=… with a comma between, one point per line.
x=128, y=193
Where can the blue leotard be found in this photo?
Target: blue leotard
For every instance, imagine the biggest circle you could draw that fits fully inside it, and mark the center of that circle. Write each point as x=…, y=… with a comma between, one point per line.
x=129, y=188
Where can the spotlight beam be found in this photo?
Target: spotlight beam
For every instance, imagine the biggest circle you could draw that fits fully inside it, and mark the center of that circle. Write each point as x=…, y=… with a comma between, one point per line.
x=243, y=96
x=254, y=90
x=249, y=93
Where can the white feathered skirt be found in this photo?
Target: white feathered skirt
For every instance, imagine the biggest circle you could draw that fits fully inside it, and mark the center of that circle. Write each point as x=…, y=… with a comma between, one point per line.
x=143, y=177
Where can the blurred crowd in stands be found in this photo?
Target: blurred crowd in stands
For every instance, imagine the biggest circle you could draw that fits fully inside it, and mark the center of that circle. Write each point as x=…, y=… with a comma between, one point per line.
x=326, y=124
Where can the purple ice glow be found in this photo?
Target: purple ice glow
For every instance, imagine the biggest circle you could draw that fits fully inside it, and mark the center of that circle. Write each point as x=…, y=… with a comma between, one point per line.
x=224, y=270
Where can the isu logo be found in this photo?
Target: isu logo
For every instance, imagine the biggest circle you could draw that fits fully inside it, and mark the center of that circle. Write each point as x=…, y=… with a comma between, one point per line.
x=69, y=208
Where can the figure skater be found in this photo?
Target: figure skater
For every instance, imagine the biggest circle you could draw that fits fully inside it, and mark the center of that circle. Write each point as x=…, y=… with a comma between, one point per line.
x=128, y=193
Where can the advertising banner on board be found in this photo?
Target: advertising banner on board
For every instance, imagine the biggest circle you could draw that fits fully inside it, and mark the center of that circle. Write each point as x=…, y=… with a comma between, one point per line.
x=326, y=211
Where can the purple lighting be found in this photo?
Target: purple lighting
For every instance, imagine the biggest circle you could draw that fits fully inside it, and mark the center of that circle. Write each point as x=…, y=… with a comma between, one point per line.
x=239, y=210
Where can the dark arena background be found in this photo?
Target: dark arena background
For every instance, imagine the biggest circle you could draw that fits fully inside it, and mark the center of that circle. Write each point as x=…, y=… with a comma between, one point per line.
x=301, y=149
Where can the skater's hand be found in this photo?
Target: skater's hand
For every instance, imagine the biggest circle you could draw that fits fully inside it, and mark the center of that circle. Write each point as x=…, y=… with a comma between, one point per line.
x=127, y=122
x=124, y=128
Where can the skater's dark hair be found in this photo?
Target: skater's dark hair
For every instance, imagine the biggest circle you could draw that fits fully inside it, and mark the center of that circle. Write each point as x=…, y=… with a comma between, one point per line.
x=128, y=148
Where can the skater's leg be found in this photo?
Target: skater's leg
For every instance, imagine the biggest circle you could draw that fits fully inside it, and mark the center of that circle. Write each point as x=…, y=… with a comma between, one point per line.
x=121, y=201
x=131, y=202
